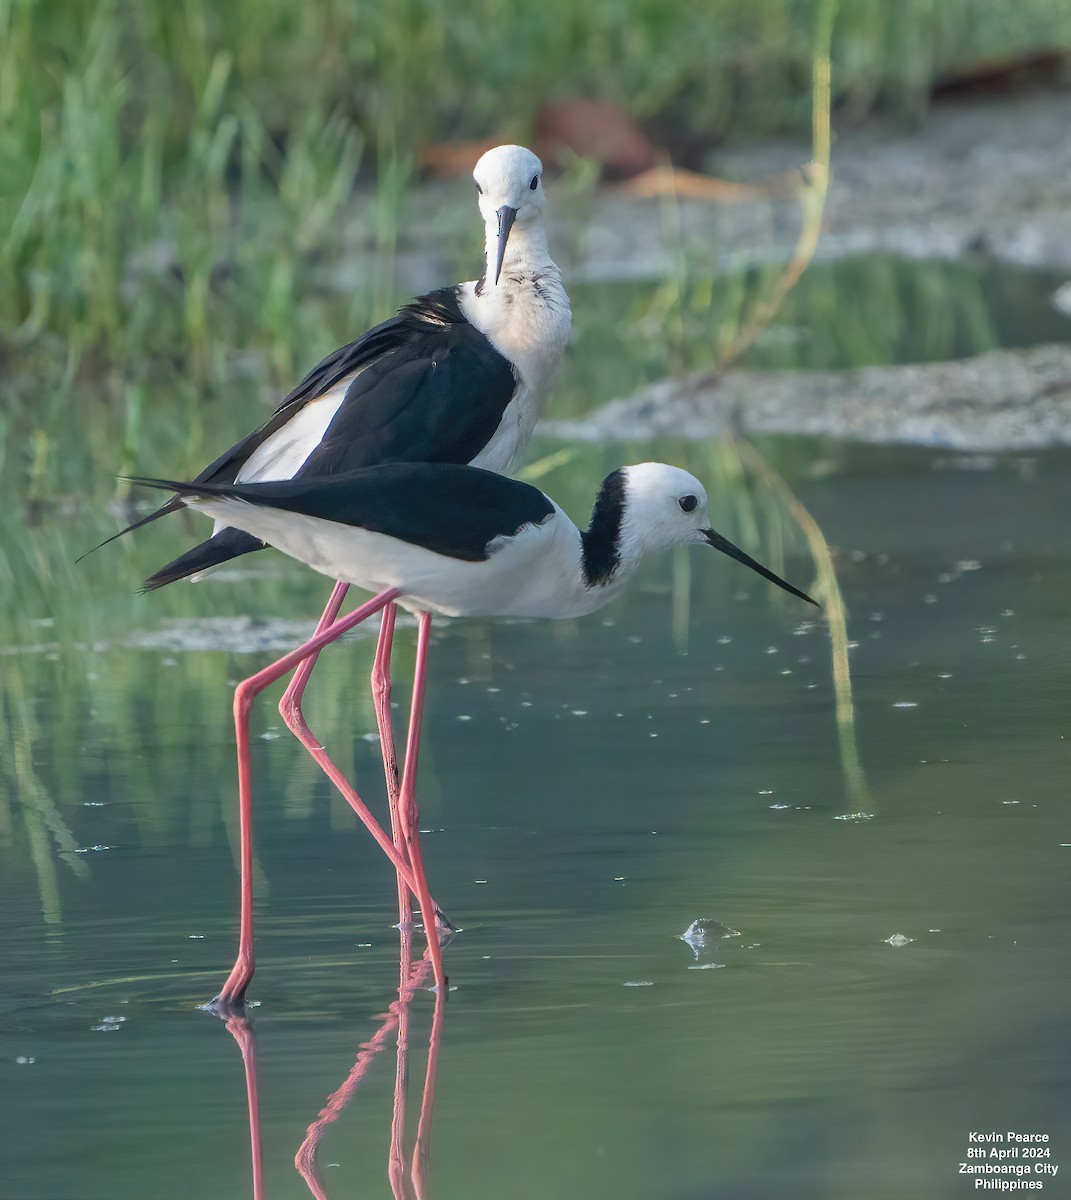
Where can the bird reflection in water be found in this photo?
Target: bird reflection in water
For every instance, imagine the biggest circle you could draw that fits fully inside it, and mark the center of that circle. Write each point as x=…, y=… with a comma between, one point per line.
x=407, y=1171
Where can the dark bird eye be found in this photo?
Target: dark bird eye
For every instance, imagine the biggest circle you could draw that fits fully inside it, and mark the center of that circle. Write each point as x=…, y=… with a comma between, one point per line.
x=535, y=180
x=479, y=189
x=687, y=503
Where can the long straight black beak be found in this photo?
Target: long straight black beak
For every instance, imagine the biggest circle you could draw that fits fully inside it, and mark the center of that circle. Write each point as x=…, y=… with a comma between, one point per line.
x=726, y=547
x=506, y=217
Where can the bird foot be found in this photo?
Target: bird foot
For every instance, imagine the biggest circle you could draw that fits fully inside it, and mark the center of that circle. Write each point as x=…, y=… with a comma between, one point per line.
x=225, y=1007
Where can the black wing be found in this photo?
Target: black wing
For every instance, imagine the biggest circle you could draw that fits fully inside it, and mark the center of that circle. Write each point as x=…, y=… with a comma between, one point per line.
x=452, y=510
x=431, y=388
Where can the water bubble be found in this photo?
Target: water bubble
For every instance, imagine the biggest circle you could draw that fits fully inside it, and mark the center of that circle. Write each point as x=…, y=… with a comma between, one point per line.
x=464, y=717
x=703, y=933
x=108, y=1025
x=905, y=704
x=270, y=735
x=898, y=939
x=26, y=1060
x=705, y=966
x=638, y=983
x=778, y=806
x=855, y=816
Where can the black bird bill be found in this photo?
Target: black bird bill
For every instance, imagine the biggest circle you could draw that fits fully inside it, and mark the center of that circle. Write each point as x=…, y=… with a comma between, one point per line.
x=726, y=547
x=506, y=217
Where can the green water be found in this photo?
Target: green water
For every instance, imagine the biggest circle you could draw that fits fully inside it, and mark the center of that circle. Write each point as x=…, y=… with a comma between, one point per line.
x=611, y=780
x=590, y=789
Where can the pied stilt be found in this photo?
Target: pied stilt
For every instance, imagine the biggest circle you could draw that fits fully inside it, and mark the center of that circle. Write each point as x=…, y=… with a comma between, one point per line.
x=458, y=376
x=459, y=541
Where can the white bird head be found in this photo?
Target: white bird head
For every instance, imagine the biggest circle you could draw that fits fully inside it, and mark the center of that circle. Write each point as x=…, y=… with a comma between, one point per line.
x=509, y=180
x=665, y=506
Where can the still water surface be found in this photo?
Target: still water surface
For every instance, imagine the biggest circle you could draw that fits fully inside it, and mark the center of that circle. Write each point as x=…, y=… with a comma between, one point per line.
x=591, y=789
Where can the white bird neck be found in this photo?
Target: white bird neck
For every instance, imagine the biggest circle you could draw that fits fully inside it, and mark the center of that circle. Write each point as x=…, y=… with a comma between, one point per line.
x=526, y=314
x=527, y=253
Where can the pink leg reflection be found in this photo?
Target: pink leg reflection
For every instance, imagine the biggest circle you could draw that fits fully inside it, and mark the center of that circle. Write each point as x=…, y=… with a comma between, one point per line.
x=411, y=979
x=241, y=1029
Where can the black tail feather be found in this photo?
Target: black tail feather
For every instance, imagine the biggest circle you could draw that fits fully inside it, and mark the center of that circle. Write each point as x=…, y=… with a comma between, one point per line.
x=173, y=505
x=220, y=548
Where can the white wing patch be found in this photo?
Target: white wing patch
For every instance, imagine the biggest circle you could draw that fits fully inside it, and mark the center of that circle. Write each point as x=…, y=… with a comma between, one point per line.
x=526, y=532
x=283, y=454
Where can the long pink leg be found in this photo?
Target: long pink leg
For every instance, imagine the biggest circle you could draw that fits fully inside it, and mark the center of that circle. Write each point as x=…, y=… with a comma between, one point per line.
x=290, y=711
x=231, y=998
x=290, y=704
x=381, y=688
x=407, y=805
x=381, y=691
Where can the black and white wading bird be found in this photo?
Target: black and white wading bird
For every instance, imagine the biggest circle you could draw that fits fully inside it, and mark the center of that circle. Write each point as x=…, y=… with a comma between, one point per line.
x=458, y=376
x=459, y=541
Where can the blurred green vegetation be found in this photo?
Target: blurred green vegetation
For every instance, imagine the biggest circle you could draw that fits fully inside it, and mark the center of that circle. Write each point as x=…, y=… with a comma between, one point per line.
x=171, y=174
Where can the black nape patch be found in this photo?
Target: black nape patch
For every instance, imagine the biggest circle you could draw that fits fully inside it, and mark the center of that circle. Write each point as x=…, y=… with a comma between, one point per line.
x=602, y=550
